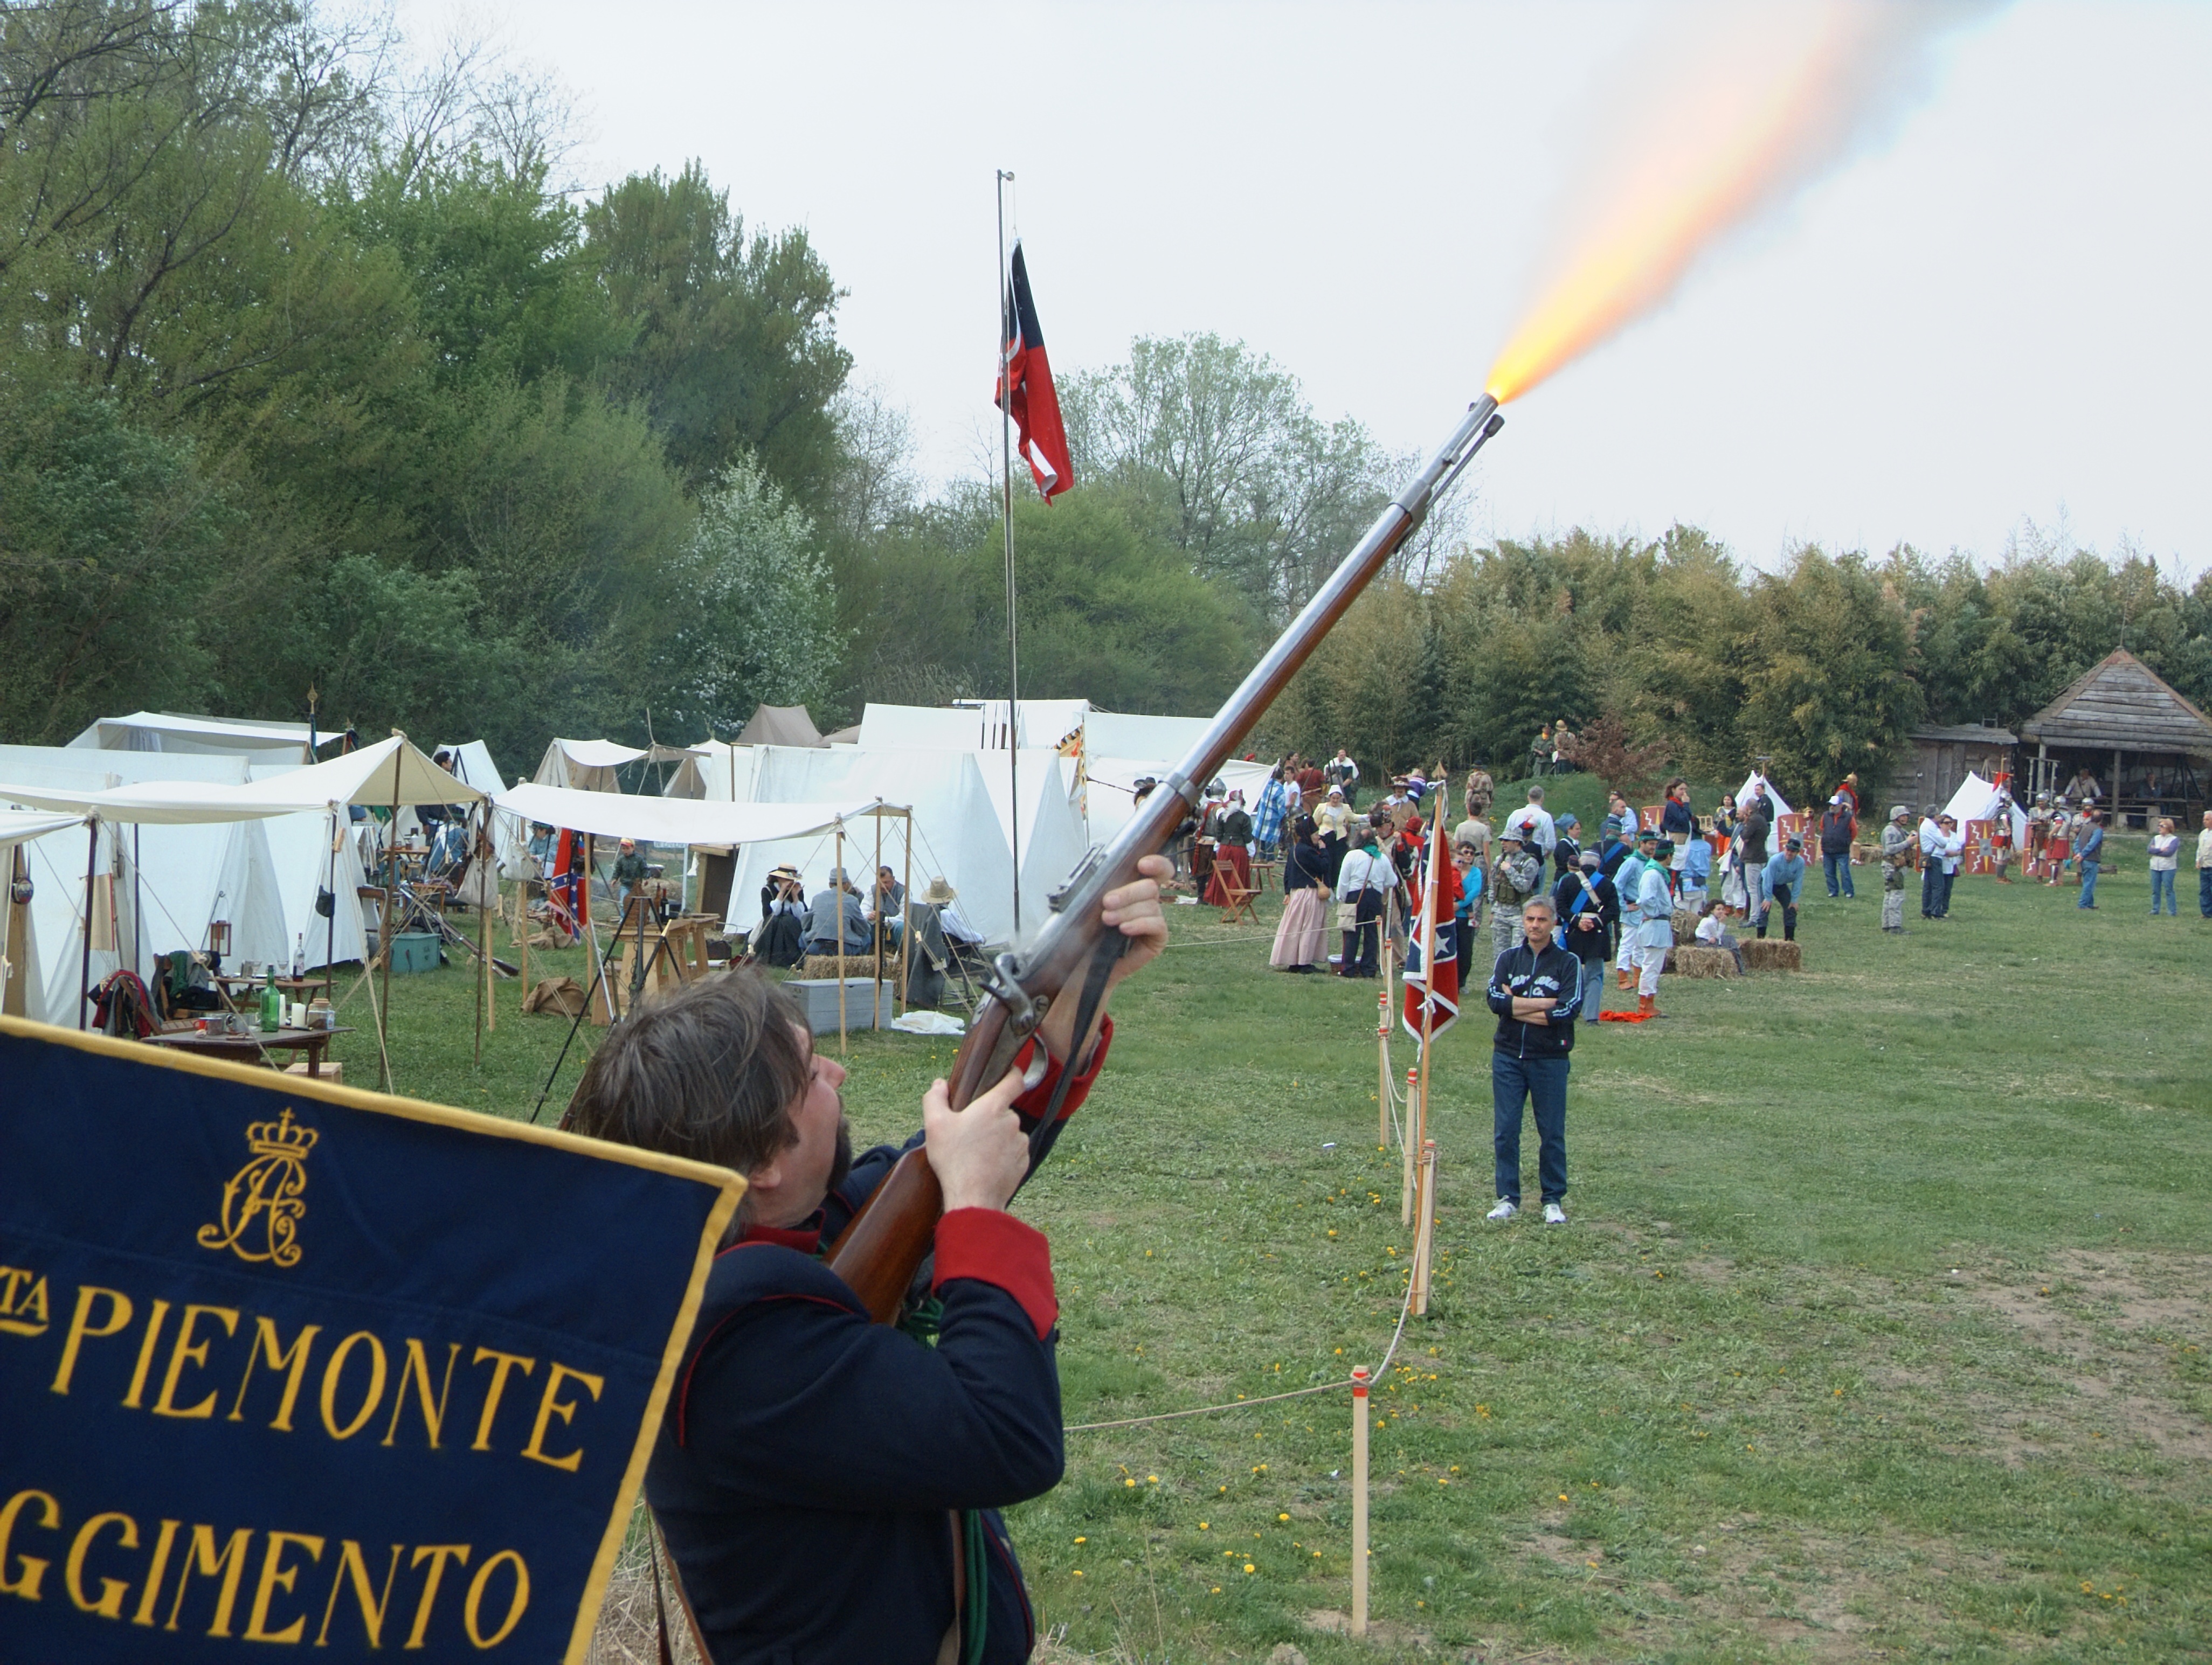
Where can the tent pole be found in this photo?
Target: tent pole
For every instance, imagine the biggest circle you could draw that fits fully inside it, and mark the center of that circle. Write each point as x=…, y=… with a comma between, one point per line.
x=384, y=937
x=483, y=928
x=906, y=925
x=84, y=977
x=837, y=906
x=876, y=994
x=331, y=928
x=137, y=900
x=522, y=931
x=13, y=924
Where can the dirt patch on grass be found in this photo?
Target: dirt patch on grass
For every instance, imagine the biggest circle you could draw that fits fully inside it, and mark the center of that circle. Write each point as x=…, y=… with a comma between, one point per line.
x=1335, y=1621
x=2107, y=1317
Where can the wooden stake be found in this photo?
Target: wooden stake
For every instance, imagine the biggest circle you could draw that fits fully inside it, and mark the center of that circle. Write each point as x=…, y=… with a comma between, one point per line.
x=522, y=931
x=1424, y=1230
x=1359, y=1500
x=1382, y=1067
x=1409, y=1143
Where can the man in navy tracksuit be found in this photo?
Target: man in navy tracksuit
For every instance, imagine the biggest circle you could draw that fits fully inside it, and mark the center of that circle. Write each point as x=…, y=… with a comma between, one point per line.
x=830, y=1487
x=1536, y=989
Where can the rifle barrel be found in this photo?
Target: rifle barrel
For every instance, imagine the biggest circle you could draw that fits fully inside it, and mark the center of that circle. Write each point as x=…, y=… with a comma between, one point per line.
x=878, y=1253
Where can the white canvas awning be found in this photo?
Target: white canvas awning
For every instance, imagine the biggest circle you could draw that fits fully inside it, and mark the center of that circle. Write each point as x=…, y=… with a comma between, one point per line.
x=171, y=731
x=391, y=771
x=19, y=826
x=682, y=820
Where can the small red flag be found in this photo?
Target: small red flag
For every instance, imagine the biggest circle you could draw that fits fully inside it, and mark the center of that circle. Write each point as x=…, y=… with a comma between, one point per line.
x=1025, y=390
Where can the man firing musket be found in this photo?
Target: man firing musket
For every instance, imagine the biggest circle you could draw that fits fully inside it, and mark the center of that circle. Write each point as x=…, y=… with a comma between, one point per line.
x=829, y=1487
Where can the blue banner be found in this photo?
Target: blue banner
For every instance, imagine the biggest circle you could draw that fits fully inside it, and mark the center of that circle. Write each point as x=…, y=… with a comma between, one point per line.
x=284, y=1363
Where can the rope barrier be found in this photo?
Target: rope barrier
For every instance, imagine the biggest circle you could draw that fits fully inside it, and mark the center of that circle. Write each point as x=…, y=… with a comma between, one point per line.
x=1397, y=1336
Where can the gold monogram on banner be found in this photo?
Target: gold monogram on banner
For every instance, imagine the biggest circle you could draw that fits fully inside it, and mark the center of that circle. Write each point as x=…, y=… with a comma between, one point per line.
x=261, y=1206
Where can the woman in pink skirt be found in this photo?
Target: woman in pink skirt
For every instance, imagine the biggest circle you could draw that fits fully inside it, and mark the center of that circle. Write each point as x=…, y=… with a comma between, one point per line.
x=1305, y=902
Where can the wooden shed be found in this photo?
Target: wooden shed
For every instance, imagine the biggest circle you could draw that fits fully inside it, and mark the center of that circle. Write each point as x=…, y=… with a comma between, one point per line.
x=2145, y=745
x=1942, y=757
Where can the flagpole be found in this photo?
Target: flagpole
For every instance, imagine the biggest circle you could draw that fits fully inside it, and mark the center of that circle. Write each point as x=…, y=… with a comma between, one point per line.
x=1006, y=508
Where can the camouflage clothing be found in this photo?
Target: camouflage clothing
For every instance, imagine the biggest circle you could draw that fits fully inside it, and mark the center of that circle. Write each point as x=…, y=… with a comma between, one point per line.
x=1513, y=881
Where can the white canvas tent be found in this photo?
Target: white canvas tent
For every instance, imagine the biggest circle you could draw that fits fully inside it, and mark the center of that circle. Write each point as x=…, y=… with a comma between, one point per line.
x=589, y=765
x=715, y=769
x=1977, y=800
x=978, y=726
x=1053, y=836
x=168, y=881
x=1749, y=791
x=1113, y=783
x=222, y=737
x=955, y=827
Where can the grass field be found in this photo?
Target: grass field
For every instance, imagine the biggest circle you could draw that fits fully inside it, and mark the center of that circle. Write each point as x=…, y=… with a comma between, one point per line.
x=1879, y=1330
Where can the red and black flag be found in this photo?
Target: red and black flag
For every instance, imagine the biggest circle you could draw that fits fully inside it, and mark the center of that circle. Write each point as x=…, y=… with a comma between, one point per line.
x=1025, y=390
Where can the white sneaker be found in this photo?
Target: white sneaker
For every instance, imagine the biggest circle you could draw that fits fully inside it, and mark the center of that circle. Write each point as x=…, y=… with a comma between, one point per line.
x=1554, y=1215
x=1505, y=1210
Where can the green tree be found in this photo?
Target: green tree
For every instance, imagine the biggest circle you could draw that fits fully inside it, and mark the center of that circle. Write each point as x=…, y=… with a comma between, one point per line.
x=1824, y=696
x=107, y=535
x=749, y=612
x=735, y=351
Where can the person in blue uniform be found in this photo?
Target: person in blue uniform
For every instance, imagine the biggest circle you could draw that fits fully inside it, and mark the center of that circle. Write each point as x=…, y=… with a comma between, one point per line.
x=829, y=1487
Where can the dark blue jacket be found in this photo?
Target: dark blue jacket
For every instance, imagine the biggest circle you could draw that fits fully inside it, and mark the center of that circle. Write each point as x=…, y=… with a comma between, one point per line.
x=810, y=1462
x=1554, y=974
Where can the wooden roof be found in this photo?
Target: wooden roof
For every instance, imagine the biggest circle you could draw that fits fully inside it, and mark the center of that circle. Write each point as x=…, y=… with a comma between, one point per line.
x=2121, y=704
x=1968, y=733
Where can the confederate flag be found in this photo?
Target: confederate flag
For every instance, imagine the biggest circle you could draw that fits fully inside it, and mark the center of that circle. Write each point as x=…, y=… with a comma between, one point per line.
x=1035, y=407
x=1442, y=999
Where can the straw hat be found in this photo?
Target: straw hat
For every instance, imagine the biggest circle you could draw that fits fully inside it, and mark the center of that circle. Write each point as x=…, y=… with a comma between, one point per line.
x=939, y=894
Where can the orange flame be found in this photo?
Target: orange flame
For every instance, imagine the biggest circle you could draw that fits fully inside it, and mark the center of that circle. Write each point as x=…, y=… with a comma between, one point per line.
x=1727, y=117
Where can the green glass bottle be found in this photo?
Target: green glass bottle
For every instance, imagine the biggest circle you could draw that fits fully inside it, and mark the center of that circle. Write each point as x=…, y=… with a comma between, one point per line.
x=272, y=1005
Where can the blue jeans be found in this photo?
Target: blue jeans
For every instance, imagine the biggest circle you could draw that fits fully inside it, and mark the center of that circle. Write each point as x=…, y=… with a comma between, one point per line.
x=1931, y=889
x=2162, y=884
x=1542, y=1084
x=2088, y=886
x=2204, y=891
x=1943, y=895
x=1838, y=867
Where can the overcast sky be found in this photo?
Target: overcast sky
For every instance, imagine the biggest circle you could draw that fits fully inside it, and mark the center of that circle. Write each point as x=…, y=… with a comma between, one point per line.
x=1998, y=314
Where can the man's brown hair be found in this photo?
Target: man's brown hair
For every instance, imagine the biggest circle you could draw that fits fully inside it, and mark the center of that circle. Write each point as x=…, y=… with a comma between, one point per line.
x=710, y=1072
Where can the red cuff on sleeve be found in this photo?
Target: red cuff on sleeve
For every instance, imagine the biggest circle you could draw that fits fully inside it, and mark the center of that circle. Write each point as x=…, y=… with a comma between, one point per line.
x=994, y=1248
x=1032, y=1103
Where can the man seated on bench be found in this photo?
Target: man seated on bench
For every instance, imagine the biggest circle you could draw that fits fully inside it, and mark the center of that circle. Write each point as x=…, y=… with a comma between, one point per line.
x=838, y=902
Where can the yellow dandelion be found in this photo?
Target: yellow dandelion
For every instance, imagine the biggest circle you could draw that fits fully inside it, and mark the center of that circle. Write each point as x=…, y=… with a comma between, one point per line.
x=1562, y=1497
x=1083, y=1540
x=1078, y=1572
x=1203, y=1527
x=1248, y=1567
x=1151, y=1479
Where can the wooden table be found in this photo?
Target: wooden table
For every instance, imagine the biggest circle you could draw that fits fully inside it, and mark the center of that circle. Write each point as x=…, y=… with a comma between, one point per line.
x=294, y=988
x=253, y=1047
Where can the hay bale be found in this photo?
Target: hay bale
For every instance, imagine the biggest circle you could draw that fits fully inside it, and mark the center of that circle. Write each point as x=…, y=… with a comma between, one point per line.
x=826, y=965
x=1686, y=925
x=1698, y=962
x=1770, y=956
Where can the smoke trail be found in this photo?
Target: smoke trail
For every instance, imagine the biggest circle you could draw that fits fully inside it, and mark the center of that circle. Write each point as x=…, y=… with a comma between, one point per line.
x=1740, y=104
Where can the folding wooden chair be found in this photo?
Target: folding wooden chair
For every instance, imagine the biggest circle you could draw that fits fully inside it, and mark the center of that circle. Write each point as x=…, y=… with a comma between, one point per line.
x=1238, y=897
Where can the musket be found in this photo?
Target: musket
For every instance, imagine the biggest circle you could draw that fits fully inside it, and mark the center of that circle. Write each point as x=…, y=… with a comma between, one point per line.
x=878, y=1254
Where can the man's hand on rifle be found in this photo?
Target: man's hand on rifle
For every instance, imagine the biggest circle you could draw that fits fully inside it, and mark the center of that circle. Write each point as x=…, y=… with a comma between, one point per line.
x=1135, y=910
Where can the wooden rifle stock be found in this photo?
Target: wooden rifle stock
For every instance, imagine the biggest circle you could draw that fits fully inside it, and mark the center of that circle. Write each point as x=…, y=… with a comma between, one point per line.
x=880, y=1252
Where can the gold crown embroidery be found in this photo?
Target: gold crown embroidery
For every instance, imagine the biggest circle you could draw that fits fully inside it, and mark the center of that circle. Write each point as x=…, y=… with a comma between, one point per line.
x=261, y=1206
